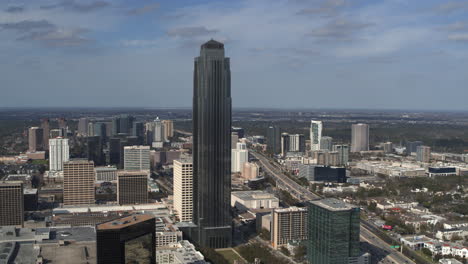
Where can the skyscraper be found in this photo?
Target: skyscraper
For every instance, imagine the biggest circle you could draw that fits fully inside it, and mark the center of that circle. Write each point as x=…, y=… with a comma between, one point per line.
x=423, y=154
x=132, y=187
x=326, y=143
x=343, y=153
x=94, y=148
x=137, y=158
x=35, y=137
x=333, y=228
x=83, y=126
x=129, y=239
x=158, y=130
x=183, y=189
x=239, y=156
x=315, y=134
x=78, y=182
x=212, y=147
x=273, y=140
x=45, y=132
x=168, y=129
x=411, y=146
x=292, y=143
x=359, y=137
x=11, y=203
x=59, y=152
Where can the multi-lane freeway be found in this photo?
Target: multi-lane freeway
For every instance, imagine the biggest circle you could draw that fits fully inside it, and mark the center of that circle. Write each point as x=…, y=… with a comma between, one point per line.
x=381, y=252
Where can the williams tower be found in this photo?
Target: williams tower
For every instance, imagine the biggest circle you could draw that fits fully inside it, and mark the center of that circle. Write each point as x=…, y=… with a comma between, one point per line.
x=212, y=147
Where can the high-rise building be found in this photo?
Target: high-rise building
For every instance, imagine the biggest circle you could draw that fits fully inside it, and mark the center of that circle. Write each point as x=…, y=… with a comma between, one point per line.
x=234, y=140
x=212, y=106
x=78, y=182
x=90, y=129
x=55, y=133
x=158, y=130
x=288, y=224
x=114, y=151
x=35, y=137
x=132, y=187
x=411, y=146
x=359, y=137
x=387, y=147
x=273, y=140
x=100, y=131
x=250, y=171
x=62, y=123
x=137, y=158
x=168, y=129
x=125, y=240
x=423, y=154
x=106, y=173
x=122, y=124
x=239, y=130
x=292, y=143
x=326, y=143
x=239, y=156
x=45, y=132
x=138, y=131
x=315, y=135
x=94, y=150
x=83, y=126
x=333, y=231
x=11, y=203
x=59, y=152
x=183, y=189
x=343, y=154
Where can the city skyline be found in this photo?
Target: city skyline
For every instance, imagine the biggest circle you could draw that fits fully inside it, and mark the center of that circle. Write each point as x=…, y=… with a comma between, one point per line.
x=140, y=50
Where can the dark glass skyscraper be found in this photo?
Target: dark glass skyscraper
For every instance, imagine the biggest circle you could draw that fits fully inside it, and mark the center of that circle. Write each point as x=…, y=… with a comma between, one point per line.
x=273, y=140
x=212, y=147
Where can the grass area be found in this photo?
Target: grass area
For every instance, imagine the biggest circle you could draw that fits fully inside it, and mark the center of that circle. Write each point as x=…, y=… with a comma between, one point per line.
x=256, y=250
x=230, y=255
x=40, y=162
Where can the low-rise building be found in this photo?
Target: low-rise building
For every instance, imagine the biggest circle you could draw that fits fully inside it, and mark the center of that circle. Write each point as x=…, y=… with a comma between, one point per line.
x=182, y=252
x=244, y=200
x=415, y=242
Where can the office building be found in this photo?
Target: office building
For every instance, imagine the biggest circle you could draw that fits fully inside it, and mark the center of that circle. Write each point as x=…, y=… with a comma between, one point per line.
x=106, y=174
x=62, y=123
x=423, y=154
x=239, y=156
x=83, y=126
x=168, y=126
x=100, y=131
x=11, y=203
x=273, y=140
x=78, y=182
x=288, y=224
x=325, y=157
x=333, y=229
x=326, y=143
x=315, y=135
x=212, y=106
x=114, y=151
x=183, y=189
x=31, y=198
x=138, y=131
x=250, y=171
x=320, y=173
x=245, y=200
x=129, y=239
x=387, y=147
x=55, y=133
x=59, y=152
x=122, y=125
x=411, y=146
x=137, y=158
x=292, y=143
x=94, y=150
x=35, y=139
x=158, y=130
x=343, y=154
x=359, y=137
x=234, y=140
x=132, y=187
x=45, y=132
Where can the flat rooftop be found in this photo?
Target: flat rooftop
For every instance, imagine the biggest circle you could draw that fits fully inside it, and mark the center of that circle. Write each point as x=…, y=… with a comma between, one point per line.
x=253, y=195
x=333, y=204
x=290, y=209
x=124, y=222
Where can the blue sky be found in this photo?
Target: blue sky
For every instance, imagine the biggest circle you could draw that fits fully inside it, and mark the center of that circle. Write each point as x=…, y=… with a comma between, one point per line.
x=395, y=54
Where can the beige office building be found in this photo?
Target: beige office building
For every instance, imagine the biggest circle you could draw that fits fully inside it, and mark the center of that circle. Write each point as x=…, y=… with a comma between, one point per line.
x=250, y=171
x=423, y=154
x=78, y=182
x=288, y=224
x=359, y=137
x=11, y=203
x=168, y=126
x=183, y=189
x=132, y=187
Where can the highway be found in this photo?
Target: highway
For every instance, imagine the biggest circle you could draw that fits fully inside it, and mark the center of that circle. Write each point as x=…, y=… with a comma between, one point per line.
x=381, y=252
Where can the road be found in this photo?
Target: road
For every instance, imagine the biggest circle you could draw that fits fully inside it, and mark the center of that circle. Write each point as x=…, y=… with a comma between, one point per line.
x=380, y=251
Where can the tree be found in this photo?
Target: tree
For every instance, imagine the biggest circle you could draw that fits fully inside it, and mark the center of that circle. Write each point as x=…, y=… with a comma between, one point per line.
x=285, y=251
x=300, y=252
x=426, y=252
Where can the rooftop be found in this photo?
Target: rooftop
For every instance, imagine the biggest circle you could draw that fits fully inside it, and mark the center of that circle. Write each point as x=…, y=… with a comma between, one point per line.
x=333, y=204
x=212, y=44
x=253, y=195
x=124, y=222
x=290, y=209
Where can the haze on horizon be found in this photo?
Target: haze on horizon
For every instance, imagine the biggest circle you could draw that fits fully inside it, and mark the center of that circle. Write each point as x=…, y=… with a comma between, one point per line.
x=360, y=54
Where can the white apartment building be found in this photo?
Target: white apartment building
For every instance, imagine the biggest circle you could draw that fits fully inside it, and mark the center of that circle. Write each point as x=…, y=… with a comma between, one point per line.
x=239, y=156
x=315, y=135
x=59, y=152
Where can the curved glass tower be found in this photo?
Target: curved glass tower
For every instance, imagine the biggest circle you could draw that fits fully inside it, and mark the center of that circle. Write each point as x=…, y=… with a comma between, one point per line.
x=212, y=147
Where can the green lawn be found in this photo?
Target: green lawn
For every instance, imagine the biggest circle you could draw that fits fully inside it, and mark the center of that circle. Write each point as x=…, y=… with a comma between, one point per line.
x=229, y=255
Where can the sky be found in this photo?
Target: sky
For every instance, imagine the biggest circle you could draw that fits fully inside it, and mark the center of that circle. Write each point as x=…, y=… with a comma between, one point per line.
x=363, y=54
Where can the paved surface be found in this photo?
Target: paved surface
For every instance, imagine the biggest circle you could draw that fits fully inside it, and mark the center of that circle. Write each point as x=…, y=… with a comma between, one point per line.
x=380, y=251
